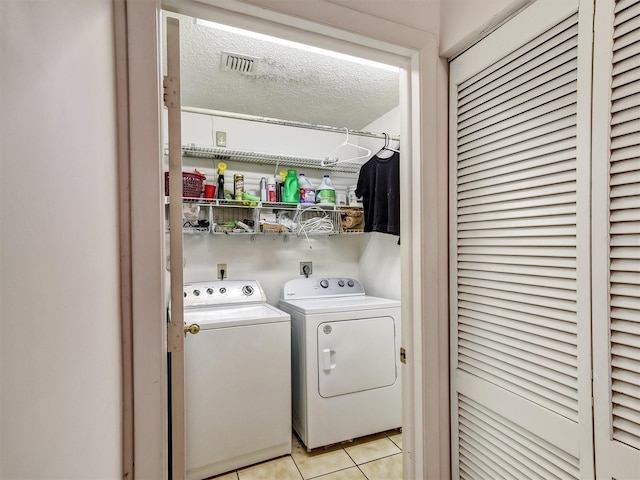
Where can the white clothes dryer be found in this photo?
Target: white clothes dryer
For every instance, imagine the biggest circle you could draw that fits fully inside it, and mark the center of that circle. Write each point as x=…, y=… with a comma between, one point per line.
x=237, y=378
x=345, y=360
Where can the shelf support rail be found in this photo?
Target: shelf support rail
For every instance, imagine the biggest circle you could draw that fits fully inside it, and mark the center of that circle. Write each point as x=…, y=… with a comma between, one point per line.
x=287, y=123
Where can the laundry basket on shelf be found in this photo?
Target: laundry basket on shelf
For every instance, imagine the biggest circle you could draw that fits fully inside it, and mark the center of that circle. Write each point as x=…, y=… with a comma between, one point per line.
x=192, y=184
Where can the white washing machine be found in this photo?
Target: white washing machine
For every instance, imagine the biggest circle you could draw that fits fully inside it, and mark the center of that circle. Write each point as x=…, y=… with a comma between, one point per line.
x=345, y=360
x=237, y=378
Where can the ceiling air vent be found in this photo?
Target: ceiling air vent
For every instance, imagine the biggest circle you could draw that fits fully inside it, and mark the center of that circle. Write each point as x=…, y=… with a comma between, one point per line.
x=239, y=63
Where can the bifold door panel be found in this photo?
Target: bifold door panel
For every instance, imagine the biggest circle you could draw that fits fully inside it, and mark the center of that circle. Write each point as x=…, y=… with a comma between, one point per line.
x=616, y=239
x=520, y=261
x=356, y=355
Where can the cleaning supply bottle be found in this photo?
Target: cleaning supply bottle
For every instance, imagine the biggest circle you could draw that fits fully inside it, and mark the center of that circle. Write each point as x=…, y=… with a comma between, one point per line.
x=220, y=187
x=263, y=189
x=291, y=193
x=271, y=189
x=280, y=185
x=325, y=193
x=307, y=190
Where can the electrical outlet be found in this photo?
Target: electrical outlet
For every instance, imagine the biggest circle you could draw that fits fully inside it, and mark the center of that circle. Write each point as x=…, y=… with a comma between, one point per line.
x=221, y=139
x=306, y=268
x=222, y=271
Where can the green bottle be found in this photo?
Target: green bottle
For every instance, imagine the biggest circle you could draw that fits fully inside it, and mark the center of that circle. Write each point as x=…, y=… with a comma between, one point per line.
x=291, y=192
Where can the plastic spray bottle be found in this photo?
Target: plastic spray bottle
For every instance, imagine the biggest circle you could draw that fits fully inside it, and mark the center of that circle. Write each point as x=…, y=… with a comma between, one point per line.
x=220, y=187
x=271, y=190
x=280, y=185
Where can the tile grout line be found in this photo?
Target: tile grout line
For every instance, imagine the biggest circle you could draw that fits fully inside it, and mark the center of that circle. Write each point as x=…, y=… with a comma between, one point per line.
x=364, y=463
x=342, y=446
x=357, y=466
x=329, y=473
x=296, y=465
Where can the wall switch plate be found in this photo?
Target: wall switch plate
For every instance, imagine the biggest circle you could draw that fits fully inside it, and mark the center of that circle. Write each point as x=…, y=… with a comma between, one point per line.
x=306, y=268
x=221, y=139
x=222, y=271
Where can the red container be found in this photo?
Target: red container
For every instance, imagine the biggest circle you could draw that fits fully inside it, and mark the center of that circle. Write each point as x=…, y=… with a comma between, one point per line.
x=191, y=184
x=209, y=191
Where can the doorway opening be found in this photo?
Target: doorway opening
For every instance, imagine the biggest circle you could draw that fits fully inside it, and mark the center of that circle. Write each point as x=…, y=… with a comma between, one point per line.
x=254, y=106
x=423, y=216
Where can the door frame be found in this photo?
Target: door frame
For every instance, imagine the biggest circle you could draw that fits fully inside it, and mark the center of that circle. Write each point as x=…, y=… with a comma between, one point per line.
x=424, y=248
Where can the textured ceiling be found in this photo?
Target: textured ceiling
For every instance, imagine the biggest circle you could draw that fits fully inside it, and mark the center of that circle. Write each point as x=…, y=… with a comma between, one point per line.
x=288, y=84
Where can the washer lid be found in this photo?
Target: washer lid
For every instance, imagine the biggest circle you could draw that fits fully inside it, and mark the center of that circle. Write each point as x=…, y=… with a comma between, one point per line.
x=337, y=304
x=234, y=315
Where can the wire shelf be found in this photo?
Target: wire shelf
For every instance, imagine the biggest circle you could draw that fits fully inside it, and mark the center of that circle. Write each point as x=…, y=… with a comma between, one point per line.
x=246, y=156
x=306, y=219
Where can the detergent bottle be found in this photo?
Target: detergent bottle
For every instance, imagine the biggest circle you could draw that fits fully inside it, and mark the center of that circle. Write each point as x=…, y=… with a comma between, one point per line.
x=220, y=187
x=291, y=193
x=325, y=193
x=307, y=190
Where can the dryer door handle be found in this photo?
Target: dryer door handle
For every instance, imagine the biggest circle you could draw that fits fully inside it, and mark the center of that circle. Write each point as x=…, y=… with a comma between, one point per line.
x=328, y=359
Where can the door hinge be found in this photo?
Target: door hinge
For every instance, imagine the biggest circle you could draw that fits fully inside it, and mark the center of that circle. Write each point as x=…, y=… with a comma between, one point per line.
x=175, y=337
x=403, y=355
x=171, y=89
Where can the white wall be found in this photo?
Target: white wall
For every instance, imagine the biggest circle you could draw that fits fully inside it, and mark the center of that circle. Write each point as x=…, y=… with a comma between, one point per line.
x=380, y=253
x=464, y=21
x=407, y=23
x=274, y=260
x=60, y=397
x=265, y=138
x=419, y=14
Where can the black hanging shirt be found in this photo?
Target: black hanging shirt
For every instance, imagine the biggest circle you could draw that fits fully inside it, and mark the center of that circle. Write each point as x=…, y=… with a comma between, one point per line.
x=379, y=187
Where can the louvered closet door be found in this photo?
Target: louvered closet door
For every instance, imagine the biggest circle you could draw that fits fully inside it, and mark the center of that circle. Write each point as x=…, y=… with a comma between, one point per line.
x=616, y=240
x=520, y=252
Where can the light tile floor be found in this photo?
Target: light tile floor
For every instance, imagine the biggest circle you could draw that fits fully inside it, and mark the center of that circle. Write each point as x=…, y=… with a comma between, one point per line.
x=376, y=457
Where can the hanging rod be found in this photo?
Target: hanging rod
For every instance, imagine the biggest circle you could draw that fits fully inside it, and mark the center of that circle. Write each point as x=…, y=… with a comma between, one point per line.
x=286, y=123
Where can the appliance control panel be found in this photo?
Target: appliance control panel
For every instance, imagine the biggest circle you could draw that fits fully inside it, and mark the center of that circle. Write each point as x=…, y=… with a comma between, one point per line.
x=222, y=292
x=321, y=287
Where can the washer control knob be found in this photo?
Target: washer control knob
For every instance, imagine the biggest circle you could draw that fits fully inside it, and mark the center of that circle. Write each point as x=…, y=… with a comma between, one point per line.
x=196, y=293
x=184, y=294
x=350, y=283
x=247, y=290
x=210, y=291
x=324, y=283
x=223, y=290
x=341, y=283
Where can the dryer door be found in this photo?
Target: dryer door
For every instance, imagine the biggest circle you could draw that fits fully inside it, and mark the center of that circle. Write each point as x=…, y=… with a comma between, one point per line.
x=356, y=355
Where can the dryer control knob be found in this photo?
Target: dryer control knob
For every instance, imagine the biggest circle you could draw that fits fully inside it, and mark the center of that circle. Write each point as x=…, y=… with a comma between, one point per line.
x=350, y=283
x=223, y=290
x=196, y=293
x=324, y=283
x=210, y=291
x=341, y=283
x=247, y=290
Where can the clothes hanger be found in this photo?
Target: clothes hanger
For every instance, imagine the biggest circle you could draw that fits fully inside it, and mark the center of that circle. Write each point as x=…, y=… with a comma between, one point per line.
x=329, y=160
x=386, y=147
